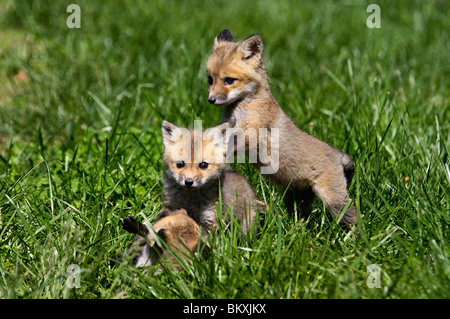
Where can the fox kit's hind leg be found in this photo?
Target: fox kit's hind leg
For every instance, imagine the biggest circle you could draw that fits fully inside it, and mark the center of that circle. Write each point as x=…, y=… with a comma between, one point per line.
x=332, y=190
x=299, y=200
x=349, y=217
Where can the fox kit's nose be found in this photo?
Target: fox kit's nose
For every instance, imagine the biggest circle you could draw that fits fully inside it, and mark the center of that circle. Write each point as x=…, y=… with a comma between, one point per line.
x=189, y=182
x=211, y=99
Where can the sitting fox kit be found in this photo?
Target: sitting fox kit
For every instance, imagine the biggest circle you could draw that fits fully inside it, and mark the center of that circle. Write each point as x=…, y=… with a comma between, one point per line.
x=180, y=232
x=197, y=177
x=238, y=82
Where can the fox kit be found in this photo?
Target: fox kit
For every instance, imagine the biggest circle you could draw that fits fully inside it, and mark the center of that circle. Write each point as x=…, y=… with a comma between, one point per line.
x=180, y=232
x=238, y=82
x=197, y=177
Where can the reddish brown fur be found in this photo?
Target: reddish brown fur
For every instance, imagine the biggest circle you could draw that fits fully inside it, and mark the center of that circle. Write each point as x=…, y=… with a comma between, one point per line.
x=216, y=182
x=180, y=233
x=318, y=169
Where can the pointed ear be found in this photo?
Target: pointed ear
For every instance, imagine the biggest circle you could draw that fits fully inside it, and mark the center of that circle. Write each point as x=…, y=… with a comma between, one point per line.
x=251, y=47
x=168, y=129
x=162, y=233
x=224, y=35
x=217, y=133
x=223, y=127
x=182, y=211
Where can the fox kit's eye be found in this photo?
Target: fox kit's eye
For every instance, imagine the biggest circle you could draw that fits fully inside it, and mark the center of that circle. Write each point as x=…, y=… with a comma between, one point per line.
x=180, y=164
x=228, y=81
x=210, y=80
x=203, y=165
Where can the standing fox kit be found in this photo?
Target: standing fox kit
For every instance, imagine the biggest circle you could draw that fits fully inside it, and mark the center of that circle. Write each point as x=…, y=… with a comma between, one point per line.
x=197, y=177
x=238, y=82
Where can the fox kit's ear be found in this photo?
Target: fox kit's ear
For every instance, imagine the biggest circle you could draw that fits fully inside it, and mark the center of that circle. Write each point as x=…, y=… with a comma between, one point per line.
x=251, y=47
x=162, y=233
x=224, y=35
x=217, y=133
x=168, y=129
x=182, y=211
x=223, y=127
x=217, y=148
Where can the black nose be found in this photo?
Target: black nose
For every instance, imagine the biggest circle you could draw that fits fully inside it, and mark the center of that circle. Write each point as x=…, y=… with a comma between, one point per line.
x=212, y=100
x=188, y=182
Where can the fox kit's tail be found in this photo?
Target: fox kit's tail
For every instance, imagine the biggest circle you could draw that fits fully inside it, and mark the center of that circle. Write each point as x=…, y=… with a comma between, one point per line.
x=348, y=166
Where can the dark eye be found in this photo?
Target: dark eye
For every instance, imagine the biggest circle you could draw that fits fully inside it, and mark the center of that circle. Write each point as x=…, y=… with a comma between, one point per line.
x=180, y=164
x=210, y=80
x=203, y=165
x=229, y=81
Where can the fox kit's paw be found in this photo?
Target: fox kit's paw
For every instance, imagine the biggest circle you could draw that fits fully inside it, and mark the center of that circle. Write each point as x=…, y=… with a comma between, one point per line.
x=130, y=224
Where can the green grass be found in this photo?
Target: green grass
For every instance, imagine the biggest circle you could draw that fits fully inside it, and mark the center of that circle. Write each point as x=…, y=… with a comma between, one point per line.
x=80, y=145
